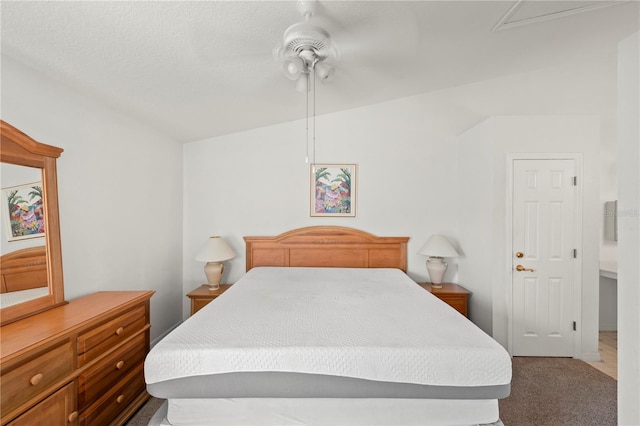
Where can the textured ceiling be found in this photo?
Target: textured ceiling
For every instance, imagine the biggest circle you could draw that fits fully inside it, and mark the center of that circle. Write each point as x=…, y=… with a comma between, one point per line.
x=196, y=69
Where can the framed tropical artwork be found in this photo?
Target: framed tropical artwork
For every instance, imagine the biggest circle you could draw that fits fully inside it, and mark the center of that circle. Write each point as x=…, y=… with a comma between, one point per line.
x=333, y=190
x=24, y=211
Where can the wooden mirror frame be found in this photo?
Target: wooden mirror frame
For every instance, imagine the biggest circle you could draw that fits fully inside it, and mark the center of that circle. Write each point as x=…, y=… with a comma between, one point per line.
x=20, y=149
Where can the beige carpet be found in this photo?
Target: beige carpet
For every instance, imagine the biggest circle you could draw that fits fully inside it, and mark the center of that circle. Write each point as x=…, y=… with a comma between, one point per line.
x=544, y=392
x=559, y=391
x=144, y=414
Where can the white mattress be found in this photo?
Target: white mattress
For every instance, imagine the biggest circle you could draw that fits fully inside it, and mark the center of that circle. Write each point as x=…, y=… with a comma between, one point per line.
x=373, y=324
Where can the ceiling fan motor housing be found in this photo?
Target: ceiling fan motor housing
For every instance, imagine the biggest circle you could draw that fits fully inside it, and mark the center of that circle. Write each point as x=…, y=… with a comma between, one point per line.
x=304, y=37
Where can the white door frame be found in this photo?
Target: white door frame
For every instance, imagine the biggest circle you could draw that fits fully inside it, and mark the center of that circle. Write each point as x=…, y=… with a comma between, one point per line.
x=508, y=271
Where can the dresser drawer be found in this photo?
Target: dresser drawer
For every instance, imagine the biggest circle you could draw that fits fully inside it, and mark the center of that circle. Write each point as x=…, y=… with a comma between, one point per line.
x=108, y=372
x=27, y=380
x=112, y=404
x=106, y=336
x=58, y=409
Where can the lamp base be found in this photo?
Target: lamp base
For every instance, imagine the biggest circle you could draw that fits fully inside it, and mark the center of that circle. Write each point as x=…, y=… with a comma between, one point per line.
x=213, y=271
x=436, y=267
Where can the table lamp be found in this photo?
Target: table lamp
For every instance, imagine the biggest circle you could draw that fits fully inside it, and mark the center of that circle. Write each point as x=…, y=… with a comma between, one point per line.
x=214, y=252
x=437, y=248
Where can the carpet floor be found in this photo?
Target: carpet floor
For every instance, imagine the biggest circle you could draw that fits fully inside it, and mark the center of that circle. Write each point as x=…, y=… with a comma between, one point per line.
x=544, y=392
x=559, y=391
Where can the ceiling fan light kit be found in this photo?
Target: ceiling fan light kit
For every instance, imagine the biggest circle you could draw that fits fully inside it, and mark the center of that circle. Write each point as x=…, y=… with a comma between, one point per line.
x=305, y=49
x=304, y=52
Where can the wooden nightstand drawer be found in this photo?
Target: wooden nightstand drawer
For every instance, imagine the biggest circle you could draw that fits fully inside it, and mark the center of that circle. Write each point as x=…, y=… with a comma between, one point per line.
x=457, y=303
x=108, y=372
x=202, y=296
x=453, y=295
x=29, y=379
x=107, y=408
x=97, y=341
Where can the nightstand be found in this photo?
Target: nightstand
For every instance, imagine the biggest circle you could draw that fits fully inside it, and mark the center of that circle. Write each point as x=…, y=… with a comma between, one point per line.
x=454, y=295
x=201, y=296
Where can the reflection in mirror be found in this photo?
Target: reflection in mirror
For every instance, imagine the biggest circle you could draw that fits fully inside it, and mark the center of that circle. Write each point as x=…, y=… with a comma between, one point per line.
x=23, y=263
x=31, y=257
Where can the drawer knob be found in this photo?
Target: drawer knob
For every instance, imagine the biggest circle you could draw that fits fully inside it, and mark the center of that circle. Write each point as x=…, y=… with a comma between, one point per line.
x=73, y=417
x=119, y=365
x=36, y=379
x=120, y=399
x=119, y=331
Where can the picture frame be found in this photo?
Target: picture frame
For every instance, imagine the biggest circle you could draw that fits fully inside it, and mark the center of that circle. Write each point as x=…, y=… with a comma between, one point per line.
x=23, y=211
x=333, y=190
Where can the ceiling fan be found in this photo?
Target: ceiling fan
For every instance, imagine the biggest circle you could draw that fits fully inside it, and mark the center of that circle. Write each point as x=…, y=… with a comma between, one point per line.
x=306, y=49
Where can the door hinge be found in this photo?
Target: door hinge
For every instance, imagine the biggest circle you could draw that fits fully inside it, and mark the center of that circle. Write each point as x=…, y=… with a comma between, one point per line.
x=575, y=181
x=574, y=326
x=575, y=253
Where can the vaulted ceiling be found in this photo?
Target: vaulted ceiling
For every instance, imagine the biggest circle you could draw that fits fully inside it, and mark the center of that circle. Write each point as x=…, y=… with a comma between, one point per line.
x=197, y=69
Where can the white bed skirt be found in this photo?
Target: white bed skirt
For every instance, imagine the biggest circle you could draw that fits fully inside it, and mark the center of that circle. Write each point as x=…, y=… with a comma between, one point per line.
x=326, y=412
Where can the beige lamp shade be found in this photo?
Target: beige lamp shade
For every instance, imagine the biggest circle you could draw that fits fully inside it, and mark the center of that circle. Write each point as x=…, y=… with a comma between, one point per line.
x=437, y=247
x=214, y=252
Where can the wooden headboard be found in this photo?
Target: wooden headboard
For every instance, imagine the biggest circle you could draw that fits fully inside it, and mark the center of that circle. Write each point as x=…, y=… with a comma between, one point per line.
x=327, y=246
x=24, y=269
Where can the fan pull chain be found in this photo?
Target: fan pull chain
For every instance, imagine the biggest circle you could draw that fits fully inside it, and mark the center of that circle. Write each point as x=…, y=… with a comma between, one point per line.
x=306, y=159
x=314, y=115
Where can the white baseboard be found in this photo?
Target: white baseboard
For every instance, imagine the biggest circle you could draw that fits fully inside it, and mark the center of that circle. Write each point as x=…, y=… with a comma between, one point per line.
x=591, y=357
x=163, y=335
x=608, y=327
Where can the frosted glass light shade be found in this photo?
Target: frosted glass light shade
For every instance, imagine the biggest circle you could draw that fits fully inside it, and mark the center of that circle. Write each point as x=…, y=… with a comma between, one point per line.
x=302, y=84
x=324, y=70
x=293, y=67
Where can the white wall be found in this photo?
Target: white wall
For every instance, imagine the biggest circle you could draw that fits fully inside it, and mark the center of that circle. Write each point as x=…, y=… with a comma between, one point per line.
x=608, y=309
x=628, y=158
x=475, y=216
x=257, y=182
x=487, y=266
x=119, y=192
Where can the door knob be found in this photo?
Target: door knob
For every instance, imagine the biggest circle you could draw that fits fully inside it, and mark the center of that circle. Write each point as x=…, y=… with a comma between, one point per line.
x=519, y=254
x=522, y=268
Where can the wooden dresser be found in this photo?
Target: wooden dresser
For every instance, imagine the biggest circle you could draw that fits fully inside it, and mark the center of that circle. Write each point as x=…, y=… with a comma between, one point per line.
x=77, y=364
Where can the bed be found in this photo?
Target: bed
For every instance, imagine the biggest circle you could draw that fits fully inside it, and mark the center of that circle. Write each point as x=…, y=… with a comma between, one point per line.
x=326, y=328
x=23, y=276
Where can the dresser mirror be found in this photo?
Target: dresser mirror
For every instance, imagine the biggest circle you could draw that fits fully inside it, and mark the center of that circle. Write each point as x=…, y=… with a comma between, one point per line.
x=31, y=261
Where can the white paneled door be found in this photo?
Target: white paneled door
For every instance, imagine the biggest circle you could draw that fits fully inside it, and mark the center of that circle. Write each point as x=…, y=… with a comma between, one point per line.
x=543, y=257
